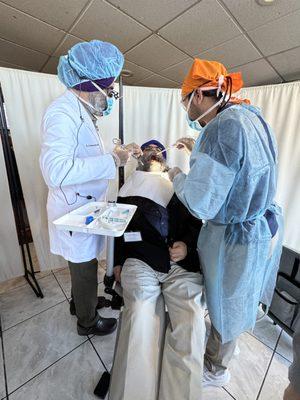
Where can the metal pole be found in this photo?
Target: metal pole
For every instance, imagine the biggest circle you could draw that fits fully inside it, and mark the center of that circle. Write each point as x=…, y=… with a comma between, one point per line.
x=109, y=276
x=121, y=127
x=110, y=256
x=16, y=194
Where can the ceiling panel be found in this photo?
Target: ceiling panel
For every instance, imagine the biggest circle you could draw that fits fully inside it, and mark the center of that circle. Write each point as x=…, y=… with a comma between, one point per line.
x=155, y=54
x=279, y=35
x=154, y=13
x=67, y=43
x=14, y=54
x=237, y=51
x=65, y=13
x=51, y=66
x=104, y=22
x=198, y=28
x=14, y=66
x=204, y=26
x=178, y=72
x=287, y=64
x=158, y=81
x=257, y=73
x=28, y=31
x=251, y=15
x=138, y=72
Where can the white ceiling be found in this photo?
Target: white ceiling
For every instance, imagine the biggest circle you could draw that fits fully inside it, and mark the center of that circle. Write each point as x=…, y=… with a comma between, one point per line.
x=158, y=37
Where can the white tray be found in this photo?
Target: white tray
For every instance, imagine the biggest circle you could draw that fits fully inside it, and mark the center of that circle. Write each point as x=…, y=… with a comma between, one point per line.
x=74, y=221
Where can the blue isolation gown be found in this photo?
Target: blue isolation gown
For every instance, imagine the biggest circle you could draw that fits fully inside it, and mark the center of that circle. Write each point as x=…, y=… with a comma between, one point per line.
x=231, y=185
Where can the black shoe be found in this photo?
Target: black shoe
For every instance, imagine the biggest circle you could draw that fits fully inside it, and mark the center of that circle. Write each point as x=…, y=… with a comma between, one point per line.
x=104, y=326
x=72, y=307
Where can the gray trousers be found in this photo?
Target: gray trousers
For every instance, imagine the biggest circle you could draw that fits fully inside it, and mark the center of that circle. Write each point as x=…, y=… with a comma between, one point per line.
x=218, y=355
x=294, y=371
x=154, y=361
x=84, y=280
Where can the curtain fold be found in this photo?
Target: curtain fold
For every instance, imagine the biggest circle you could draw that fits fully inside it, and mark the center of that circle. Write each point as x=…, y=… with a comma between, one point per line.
x=26, y=95
x=280, y=105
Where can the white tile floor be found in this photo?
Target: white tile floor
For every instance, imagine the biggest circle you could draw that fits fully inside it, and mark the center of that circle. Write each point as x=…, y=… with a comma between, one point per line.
x=46, y=360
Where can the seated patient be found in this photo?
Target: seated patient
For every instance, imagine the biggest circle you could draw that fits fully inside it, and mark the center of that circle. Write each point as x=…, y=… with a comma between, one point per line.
x=155, y=358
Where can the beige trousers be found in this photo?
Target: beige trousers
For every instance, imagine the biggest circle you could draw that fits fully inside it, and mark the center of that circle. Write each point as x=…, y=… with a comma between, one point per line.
x=157, y=359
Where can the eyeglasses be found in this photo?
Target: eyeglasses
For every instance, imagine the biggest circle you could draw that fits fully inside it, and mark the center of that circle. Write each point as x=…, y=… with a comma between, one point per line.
x=188, y=97
x=112, y=93
x=151, y=148
x=109, y=92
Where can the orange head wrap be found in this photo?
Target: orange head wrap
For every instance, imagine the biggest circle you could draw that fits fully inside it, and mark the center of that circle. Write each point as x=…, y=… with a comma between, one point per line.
x=211, y=74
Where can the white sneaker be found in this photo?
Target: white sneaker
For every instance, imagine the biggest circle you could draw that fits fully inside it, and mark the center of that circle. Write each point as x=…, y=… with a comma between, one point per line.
x=219, y=378
x=237, y=351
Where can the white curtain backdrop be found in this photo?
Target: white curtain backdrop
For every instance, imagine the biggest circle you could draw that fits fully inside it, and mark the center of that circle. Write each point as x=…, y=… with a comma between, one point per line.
x=26, y=95
x=149, y=113
x=281, y=108
x=155, y=113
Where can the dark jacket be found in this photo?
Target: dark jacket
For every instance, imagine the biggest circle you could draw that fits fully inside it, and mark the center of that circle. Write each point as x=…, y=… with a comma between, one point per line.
x=159, y=227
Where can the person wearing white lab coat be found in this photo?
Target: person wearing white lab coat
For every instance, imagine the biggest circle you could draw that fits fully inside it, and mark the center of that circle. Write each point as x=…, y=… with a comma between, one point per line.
x=76, y=167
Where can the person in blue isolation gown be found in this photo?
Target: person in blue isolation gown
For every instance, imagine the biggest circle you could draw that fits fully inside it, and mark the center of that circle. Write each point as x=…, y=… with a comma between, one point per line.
x=231, y=185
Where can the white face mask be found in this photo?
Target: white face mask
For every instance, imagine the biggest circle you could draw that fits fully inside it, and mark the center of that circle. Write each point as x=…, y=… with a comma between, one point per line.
x=195, y=124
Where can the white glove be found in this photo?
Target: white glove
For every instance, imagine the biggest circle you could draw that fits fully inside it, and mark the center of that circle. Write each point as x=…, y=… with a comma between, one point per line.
x=173, y=172
x=134, y=149
x=120, y=156
x=185, y=143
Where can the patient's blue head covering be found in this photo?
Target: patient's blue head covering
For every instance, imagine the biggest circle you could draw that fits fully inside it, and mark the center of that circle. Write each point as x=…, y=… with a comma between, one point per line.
x=90, y=61
x=156, y=143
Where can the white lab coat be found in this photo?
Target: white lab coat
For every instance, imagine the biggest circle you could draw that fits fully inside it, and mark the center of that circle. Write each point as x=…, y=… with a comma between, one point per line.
x=69, y=133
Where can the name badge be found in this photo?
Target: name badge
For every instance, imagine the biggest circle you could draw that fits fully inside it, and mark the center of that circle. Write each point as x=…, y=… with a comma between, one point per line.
x=132, y=237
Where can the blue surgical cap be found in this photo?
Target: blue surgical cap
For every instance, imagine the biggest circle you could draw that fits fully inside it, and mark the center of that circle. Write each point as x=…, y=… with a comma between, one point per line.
x=156, y=143
x=90, y=61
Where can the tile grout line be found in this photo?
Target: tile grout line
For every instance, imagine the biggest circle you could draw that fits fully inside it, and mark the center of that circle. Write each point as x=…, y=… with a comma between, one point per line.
x=49, y=366
x=67, y=32
x=269, y=347
x=27, y=319
x=25, y=282
x=161, y=76
x=146, y=26
x=275, y=349
x=281, y=355
x=263, y=57
x=257, y=338
x=102, y=362
x=3, y=361
x=79, y=16
x=268, y=368
x=156, y=32
x=248, y=37
x=226, y=390
x=62, y=289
